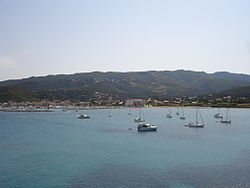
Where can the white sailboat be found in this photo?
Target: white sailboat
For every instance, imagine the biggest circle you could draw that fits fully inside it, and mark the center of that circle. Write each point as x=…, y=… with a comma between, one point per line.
x=228, y=117
x=178, y=113
x=182, y=117
x=139, y=119
x=169, y=115
x=196, y=124
x=110, y=115
x=129, y=112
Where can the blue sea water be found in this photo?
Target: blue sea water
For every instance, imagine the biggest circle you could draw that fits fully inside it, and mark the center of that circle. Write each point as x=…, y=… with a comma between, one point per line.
x=58, y=150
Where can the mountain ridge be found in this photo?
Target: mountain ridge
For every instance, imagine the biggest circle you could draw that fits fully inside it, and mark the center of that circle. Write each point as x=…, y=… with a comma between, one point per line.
x=143, y=84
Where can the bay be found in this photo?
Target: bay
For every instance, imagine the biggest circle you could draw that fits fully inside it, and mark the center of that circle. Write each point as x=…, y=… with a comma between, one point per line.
x=58, y=150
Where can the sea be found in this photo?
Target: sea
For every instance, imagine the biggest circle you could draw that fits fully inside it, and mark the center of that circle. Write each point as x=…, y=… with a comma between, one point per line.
x=58, y=150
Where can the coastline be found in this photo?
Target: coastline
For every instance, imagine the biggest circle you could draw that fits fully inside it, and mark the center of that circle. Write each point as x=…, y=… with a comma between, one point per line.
x=11, y=109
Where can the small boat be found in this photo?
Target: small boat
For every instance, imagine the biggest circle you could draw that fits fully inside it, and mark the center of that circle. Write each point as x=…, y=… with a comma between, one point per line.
x=218, y=115
x=228, y=118
x=178, y=113
x=182, y=117
x=169, y=115
x=83, y=116
x=139, y=119
x=110, y=114
x=129, y=112
x=196, y=124
x=146, y=127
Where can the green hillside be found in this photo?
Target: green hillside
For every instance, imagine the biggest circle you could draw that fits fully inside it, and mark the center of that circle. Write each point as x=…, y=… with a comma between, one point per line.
x=103, y=85
x=236, y=92
x=12, y=93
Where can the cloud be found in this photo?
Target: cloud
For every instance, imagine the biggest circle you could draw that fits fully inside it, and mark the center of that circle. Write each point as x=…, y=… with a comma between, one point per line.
x=7, y=62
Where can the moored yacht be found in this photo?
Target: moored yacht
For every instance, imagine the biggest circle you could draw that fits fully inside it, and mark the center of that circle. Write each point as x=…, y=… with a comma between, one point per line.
x=169, y=115
x=139, y=119
x=110, y=114
x=83, y=116
x=218, y=115
x=196, y=124
x=177, y=113
x=227, y=119
x=182, y=117
x=146, y=127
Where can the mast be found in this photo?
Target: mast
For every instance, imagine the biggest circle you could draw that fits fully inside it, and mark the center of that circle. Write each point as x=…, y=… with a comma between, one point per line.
x=196, y=115
x=228, y=118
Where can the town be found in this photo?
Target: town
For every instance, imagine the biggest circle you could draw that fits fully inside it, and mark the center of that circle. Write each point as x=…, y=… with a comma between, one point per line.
x=48, y=105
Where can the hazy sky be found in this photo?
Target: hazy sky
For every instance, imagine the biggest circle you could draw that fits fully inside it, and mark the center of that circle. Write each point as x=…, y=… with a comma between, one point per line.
x=40, y=37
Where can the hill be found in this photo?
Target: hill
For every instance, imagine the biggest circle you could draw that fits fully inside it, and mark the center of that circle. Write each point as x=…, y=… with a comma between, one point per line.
x=12, y=93
x=236, y=92
x=104, y=85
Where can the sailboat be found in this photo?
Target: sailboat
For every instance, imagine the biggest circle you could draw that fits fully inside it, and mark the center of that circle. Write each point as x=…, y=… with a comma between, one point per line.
x=182, y=117
x=178, y=113
x=129, y=112
x=139, y=119
x=169, y=115
x=218, y=115
x=110, y=115
x=196, y=124
x=228, y=117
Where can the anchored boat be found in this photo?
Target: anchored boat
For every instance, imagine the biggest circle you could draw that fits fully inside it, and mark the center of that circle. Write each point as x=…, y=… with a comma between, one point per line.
x=146, y=127
x=83, y=116
x=169, y=115
x=228, y=117
x=196, y=124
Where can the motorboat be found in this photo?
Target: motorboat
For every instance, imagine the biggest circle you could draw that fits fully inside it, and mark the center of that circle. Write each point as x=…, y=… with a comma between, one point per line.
x=218, y=116
x=83, y=116
x=146, y=127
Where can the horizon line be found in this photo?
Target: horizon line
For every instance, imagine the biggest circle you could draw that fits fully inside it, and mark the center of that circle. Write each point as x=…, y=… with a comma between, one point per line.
x=118, y=71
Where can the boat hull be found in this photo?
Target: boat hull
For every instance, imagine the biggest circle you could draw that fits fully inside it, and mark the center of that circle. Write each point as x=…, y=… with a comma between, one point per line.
x=146, y=129
x=225, y=121
x=195, y=125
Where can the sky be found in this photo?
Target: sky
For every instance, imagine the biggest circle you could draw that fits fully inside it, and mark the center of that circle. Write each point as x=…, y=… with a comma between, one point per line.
x=41, y=37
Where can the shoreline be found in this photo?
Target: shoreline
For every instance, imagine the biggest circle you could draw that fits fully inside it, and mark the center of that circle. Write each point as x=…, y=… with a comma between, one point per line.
x=112, y=107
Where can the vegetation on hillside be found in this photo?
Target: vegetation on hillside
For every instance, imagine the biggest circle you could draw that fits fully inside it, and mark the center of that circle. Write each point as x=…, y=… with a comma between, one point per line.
x=114, y=85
